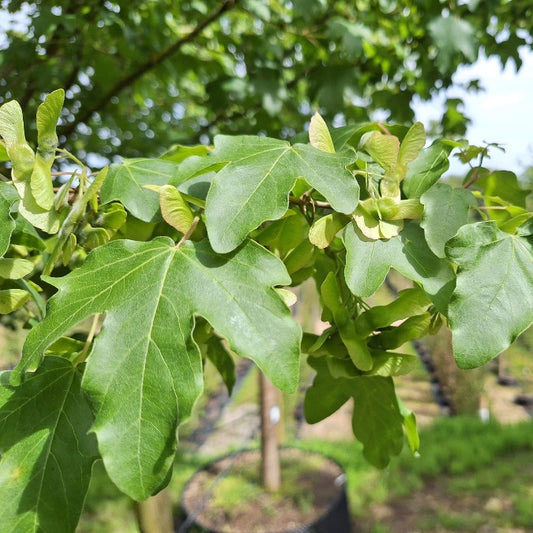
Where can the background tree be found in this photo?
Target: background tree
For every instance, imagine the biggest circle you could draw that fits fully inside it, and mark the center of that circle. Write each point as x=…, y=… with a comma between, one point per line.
x=140, y=76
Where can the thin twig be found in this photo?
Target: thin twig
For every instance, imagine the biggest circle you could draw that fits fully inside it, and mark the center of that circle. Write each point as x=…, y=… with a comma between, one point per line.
x=148, y=65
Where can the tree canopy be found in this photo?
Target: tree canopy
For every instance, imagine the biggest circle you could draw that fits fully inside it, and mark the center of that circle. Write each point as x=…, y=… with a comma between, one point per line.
x=141, y=76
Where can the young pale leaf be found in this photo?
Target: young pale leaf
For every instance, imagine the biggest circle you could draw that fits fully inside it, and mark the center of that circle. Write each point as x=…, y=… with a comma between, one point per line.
x=369, y=261
x=412, y=143
x=46, y=449
x=46, y=220
x=254, y=185
x=125, y=183
x=384, y=149
x=8, y=196
x=324, y=229
x=15, y=268
x=145, y=370
x=493, y=302
x=175, y=210
x=19, y=151
x=41, y=179
x=12, y=299
x=445, y=210
x=319, y=135
x=426, y=169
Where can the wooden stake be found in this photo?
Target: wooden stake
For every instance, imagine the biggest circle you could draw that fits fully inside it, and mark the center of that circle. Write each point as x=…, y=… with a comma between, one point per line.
x=270, y=418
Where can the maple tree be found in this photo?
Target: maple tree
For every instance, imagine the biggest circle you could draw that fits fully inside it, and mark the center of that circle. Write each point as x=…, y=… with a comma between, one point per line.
x=140, y=76
x=189, y=256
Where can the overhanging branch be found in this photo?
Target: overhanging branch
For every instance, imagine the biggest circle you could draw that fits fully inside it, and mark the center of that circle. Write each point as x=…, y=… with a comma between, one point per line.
x=148, y=65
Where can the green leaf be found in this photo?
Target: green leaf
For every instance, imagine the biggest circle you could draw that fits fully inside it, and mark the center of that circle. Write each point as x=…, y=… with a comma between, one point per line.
x=284, y=235
x=388, y=364
x=356, y=346
x=409, y=422
x=254, y=186
x=322, y=399
x=409, y=302
x=3, y=153
x=12, y=299
x=221, y=358
x=504, y=185
x=452, y=36
x=493, y=302
x=299, y=258
x=41, y=178
x=319, y=135
x=125, y=183
x=426, y=169
x=8, y=196
x=175, y=210
x=145, y=371
x=369, y=261
x=179, y=152
x=324, y=229
x=46, y=449
x=376, y=420
x=446, y=209
x=15, y=268
x=415, y=327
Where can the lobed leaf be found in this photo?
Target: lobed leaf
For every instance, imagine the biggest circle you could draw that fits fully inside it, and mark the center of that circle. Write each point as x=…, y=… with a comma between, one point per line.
x=145, y=370
x=46, y=450
x=125, y=183
x=254, y=185
x=446, y=209
x=492, y=302
x=426, y=169
x=369, y=261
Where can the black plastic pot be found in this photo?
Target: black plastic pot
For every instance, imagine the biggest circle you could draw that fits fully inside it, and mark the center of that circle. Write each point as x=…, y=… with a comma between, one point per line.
x=334, y=519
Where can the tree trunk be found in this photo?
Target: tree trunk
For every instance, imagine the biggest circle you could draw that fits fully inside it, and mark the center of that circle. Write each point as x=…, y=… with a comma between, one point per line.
x=270, y=418
x=154, y=515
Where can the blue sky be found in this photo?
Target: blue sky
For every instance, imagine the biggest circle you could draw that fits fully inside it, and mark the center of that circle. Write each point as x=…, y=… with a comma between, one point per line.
x=502, y=113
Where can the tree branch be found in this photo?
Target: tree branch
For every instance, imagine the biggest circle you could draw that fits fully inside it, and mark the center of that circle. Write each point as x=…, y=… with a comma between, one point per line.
x=148, y=65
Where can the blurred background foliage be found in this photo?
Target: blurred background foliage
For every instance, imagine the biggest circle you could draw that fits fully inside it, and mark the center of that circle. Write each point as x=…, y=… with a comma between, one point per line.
x=143, y=75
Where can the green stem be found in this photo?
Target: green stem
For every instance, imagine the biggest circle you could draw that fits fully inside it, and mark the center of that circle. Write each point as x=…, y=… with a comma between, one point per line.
x=39, y=302
x=92, y=332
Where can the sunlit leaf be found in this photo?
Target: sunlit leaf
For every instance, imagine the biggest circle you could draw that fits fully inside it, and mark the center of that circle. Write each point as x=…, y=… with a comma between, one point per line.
x=254, y=185
x=125, y=183
x=145, y=372
x=493, y=301
x=319, y=135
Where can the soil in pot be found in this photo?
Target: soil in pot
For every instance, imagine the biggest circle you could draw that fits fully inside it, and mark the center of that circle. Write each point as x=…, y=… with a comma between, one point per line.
x=227, y=495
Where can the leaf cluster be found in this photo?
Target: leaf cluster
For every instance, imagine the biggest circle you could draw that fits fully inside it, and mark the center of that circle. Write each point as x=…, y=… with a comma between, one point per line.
x=196, y=255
